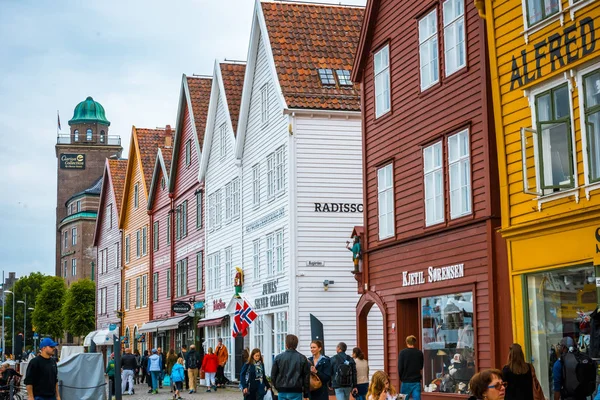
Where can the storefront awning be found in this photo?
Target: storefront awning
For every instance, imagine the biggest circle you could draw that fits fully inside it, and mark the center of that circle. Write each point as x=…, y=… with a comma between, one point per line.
x=88, y=339
x=171, y=323
x=211, y=321
x=150, y=326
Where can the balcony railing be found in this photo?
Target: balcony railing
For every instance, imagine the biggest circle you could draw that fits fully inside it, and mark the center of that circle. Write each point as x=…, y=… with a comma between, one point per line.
x=100, y=140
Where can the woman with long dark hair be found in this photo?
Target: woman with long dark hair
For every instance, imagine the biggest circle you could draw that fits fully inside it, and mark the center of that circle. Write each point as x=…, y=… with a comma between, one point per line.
x=518, y=375
x=362, y=373
x=256, y=386
x=320, y=365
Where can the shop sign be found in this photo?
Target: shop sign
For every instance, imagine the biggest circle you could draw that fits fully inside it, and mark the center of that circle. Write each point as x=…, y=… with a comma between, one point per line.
x=433, y=275
x=72, y=161
x=219, y=305
x=339, y=207
x=270, y=296
x=112, y=327
x=315, y=263
x=198, y=305
x=181, y=308
x=267, y=219
x=597, y=240
x=576, y=41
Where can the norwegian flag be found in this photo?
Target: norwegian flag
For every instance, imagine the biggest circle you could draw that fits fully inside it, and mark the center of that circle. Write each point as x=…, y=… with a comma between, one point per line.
x=238, y=328
x=248, y=315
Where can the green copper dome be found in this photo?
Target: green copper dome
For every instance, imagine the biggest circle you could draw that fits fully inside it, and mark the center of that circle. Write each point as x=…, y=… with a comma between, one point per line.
x=89, y=111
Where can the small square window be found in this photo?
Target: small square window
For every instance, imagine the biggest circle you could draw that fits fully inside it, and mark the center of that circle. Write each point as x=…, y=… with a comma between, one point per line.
x=326, y=76
x=343, y=76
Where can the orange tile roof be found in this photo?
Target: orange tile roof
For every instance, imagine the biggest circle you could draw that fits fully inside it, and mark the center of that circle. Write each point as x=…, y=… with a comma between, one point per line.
x=200, y=97
x=233, y=82
x=118, y=170
x=149, y=140
x=306, y=37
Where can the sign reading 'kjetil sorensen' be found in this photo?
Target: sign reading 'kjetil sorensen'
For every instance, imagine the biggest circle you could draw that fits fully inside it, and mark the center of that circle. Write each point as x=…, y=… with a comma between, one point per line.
x=433, y=275
x=72, y=161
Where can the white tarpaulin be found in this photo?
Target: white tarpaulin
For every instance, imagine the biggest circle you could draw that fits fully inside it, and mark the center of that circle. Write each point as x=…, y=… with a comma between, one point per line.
x=82, y=377
x=69, y=351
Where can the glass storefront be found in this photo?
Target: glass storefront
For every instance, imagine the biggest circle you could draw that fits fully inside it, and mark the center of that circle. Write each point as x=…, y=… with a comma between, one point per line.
x=448, y=341
x=560, y=303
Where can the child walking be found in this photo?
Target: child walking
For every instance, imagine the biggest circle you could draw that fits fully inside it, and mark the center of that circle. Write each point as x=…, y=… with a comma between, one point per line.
x=178, y=377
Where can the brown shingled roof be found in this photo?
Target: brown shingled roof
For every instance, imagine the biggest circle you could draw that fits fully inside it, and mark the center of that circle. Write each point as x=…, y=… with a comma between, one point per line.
x=306, y=37
x=118, y=169
x=149, y=140
x=233, y=82
x=200, y=96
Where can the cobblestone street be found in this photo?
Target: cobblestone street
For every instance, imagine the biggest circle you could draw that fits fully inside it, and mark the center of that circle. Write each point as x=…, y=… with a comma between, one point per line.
x=141, y=393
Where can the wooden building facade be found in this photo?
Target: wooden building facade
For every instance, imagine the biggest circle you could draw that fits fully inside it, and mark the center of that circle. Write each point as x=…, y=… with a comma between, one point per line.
x=433, y=263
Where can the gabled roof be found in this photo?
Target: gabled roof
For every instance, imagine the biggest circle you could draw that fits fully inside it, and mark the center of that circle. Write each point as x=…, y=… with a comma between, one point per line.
x=195, y=95
x=306, y=37
x=233, y=82
x=162, y=164
x=226, y=79
x=113, y=178
x=142, y=150
x=366, y=33
x=93, y=190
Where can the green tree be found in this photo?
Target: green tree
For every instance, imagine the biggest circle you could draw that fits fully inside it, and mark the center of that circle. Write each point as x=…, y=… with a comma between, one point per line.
x=79, y=308
x=26, y=289
x=47, y=317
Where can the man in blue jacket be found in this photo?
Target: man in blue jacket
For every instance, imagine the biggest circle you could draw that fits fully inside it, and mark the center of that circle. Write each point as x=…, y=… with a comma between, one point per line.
x=155, y=367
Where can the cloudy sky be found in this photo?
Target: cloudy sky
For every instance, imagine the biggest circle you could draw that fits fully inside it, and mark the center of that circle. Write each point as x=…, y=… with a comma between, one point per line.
x=128, y=55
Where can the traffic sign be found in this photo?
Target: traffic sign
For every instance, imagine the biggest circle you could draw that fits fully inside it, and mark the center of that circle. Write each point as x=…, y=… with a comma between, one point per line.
x=35, y=335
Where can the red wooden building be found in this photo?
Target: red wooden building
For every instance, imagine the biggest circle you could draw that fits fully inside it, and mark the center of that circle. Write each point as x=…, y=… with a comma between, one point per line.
x=433, y=263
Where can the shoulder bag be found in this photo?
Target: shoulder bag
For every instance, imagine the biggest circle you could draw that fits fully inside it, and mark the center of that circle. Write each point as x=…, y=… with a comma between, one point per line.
x=315, y=381
x=538, y=393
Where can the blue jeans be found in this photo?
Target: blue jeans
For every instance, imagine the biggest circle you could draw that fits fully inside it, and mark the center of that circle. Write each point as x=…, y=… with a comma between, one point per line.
x=343, y=393
x=412, y=389
x=289, y=396
x=155, y=375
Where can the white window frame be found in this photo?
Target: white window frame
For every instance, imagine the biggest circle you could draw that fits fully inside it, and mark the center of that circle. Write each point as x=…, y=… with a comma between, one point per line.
x=381, y=73
x=199, y=263
x=256, y=259
x=188, y=152
x=536, y=26
x=169, y=283
x=256, y=185
x=270, y=254
x=73, y=266
x=127, y=248
x=144, y=290
x=271, y=179
x=228, y=265
x=66, y=239
x=78, y=205
x=138, y=292
x=235, y=202
x=136, y=196
x=589, y=186
x=280, y=170
x=454, y=25
x=426, y=42
x=127, y=294
x=156, y=235
x=199, y=205
x=144, y=240
x=264, y=104
x=279, y=251
x=89, y=135
x=461, y=205
x=228, y=202
x=138, y=243
x=258, y=330
x=432, y=171
x=155, y=286
x=281, y=331
x=73, y=236
x=386, y=201
x=181, y=278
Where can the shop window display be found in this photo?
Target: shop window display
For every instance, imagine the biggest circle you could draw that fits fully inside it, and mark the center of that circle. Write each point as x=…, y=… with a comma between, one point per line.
x=448, y=342
x=560, y=305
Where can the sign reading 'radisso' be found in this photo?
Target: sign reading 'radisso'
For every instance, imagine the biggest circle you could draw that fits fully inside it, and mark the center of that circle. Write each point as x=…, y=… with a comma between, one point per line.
x=556, y=51
x=72, y=161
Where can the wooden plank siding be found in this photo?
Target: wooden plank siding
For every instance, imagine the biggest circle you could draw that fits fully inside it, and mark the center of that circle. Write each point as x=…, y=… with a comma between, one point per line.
x=418, y=119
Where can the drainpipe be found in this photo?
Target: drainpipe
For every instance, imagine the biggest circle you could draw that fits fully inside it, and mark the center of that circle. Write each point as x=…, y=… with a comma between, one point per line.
x=151, y=268
x=172, y=212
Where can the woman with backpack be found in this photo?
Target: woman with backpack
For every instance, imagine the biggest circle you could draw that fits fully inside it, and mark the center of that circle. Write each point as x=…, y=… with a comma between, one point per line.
x=209, y=366
x=320, y=367
x=518, y=375
x=257, y=385
x=177, y=378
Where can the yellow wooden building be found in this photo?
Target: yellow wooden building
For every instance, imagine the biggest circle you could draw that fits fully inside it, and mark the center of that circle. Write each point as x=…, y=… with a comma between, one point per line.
x=545, y=85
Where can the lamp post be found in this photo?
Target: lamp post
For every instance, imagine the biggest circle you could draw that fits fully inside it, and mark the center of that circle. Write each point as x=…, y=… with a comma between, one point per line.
x=24, y=320
x=13, y=322
x=31, y=309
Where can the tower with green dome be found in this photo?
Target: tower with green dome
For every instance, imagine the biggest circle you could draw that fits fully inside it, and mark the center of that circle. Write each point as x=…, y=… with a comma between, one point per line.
x=80, y=160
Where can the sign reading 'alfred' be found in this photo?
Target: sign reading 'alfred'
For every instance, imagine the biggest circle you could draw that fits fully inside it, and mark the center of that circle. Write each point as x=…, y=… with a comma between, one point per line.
x=559, y=49
x=72, y=161
x=433, y=275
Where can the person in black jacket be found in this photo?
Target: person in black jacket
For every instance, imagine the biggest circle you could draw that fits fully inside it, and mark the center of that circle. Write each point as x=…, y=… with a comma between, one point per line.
x=320, y=365
x=255, y=385
x=290, y=373
x=343, y=369
x=410, y=364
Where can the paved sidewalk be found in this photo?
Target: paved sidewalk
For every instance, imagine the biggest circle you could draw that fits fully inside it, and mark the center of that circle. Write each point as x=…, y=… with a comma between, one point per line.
x=141, y=393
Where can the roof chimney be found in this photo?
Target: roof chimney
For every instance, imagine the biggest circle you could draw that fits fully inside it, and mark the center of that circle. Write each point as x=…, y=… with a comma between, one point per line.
x=168, y=136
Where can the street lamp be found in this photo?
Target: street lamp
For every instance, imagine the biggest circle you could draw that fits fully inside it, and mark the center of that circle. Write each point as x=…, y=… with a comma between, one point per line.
x=13, y=322
x=24, y=320
x=34, y=339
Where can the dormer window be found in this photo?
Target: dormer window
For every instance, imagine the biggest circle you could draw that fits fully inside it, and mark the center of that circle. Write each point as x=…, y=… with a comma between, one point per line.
x=102, y=134
x=162, y=183
x=343, y=76
x=326, y=76
x=76, y=135
x=88, y=135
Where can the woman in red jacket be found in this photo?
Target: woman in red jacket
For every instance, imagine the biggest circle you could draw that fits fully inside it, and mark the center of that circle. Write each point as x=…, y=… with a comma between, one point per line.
x=209, y=366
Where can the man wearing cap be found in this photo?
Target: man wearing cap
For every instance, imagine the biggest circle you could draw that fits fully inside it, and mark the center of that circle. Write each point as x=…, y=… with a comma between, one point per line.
x=42, y=374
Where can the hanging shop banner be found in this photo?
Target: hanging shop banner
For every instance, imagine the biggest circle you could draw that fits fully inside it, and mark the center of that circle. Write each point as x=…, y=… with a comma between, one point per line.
x=181, y=308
